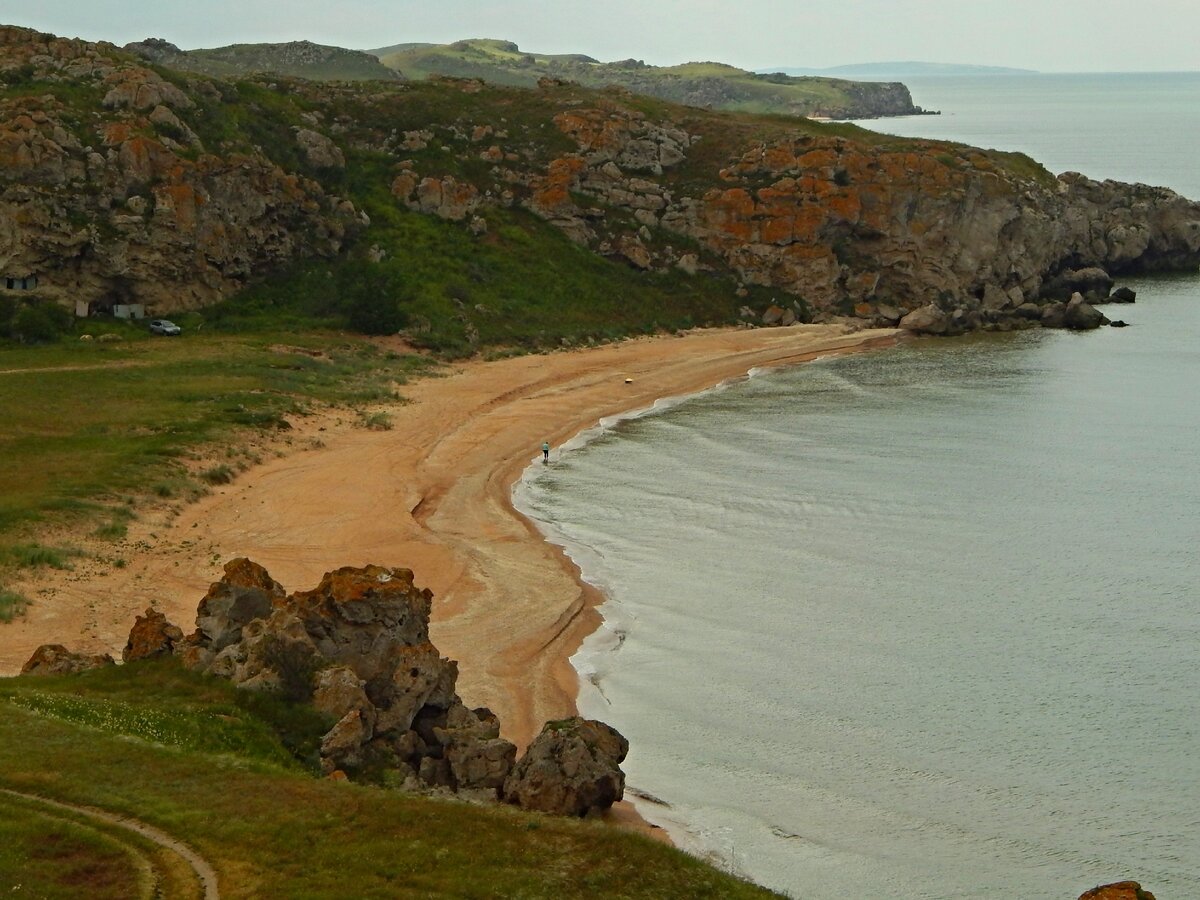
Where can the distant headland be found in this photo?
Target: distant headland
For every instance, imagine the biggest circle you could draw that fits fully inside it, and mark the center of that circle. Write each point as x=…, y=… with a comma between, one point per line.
x=890, y=70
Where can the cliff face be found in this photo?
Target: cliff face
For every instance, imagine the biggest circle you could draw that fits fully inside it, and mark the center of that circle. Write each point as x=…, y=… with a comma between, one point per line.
x=107, y=194
x=860, y=229
x=846, y=225
x=119, y=182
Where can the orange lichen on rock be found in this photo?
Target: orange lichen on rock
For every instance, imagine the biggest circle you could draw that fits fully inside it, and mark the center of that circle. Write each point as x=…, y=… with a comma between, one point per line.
x=552, y=192
x=594, y=129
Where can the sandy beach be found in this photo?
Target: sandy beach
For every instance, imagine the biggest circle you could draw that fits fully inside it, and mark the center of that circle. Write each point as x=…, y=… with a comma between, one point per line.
x=431, y=494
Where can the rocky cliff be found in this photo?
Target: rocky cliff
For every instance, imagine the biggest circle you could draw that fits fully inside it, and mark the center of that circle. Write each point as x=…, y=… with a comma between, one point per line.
x=107, y=194
x=124, y=181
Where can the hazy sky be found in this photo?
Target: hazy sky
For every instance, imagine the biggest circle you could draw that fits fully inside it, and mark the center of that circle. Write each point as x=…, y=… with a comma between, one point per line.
x=1050, y=35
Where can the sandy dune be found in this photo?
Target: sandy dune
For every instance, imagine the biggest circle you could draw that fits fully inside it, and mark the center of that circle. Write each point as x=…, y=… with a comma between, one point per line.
x=432, y=494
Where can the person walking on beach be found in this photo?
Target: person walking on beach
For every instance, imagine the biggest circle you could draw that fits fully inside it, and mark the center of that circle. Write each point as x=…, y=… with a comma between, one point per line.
x=545, y=452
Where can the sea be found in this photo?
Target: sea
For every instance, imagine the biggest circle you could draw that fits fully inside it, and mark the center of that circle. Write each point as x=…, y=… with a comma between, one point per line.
x=922, y=622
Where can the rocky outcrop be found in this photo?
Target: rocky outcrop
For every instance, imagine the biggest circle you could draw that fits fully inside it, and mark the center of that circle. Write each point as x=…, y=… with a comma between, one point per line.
x=446, y=198
x=152, y=635
x=319, y=151
x=55, y=659
x=1121, y=890
x=571, y=768
x=122, y=202
x=945, y=242
x=357, y=648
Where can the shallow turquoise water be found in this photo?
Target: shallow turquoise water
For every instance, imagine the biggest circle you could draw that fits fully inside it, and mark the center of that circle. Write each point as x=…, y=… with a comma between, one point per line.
x=915, y=623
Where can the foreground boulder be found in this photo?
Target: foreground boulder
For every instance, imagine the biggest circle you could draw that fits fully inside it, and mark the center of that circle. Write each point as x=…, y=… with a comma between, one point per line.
x=928, y=319
x=55, y=659
x=570, y=769
x=1121, y=890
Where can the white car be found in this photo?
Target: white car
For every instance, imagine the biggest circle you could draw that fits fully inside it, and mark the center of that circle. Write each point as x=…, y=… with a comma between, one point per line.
x=162, y=326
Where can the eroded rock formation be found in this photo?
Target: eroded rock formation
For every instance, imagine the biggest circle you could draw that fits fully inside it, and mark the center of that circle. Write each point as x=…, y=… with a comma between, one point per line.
x=152, y=635
x=357, y=647
x=571, y=767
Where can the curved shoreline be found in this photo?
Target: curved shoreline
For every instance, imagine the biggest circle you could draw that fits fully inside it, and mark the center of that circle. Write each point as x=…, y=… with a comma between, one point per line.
x=433, y=494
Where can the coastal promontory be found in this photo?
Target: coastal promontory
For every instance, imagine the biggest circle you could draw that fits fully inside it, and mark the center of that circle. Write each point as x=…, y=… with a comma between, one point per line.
x=126, y=182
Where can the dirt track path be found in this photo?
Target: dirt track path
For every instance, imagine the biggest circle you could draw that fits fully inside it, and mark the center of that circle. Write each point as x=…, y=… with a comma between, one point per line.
x=91, y=367
x=205, y=873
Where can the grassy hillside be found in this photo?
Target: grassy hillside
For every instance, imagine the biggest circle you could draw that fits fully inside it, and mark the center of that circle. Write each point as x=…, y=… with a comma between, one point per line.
x=523, y=285
x=707, y=84
x=298, y=59
x=228, y=773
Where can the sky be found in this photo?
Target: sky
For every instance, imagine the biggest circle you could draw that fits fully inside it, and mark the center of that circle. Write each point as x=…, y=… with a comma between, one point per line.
x=1047, y=35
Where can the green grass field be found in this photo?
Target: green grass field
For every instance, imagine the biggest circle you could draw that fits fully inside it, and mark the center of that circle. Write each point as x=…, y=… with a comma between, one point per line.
x=223, y=771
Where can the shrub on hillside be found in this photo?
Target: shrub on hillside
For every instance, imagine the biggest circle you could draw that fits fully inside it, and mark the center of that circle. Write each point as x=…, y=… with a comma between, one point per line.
x=39, y=323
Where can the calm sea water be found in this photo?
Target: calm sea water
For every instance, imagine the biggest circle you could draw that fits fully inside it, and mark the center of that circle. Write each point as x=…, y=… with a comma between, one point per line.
x=925, y=622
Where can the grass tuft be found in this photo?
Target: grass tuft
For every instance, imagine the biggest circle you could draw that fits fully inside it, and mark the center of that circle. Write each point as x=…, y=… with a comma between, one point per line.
x=35, y=556
x=219, y=474
x=378, y=421
x=12, y=605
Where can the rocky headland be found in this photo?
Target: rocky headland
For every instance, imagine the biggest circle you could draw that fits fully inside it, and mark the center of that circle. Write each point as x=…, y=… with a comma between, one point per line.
x=712, y=85
x=123, y=182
